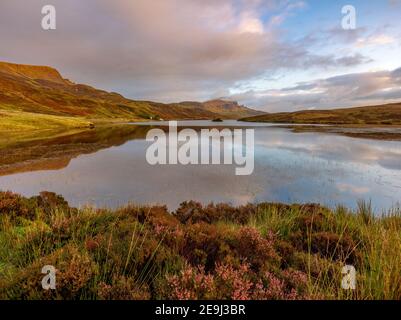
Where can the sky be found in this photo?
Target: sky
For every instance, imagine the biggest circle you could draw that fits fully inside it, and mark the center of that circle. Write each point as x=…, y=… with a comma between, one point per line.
x=272, y=55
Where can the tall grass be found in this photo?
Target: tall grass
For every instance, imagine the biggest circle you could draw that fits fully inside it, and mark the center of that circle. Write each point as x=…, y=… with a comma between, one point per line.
x=378, y=241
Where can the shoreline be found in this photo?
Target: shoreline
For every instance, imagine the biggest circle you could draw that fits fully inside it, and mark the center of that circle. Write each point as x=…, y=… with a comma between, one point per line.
x=364, y=131
x=353, y=131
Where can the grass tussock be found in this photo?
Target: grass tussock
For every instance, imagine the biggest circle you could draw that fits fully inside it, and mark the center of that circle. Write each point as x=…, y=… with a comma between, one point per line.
x=265, y=251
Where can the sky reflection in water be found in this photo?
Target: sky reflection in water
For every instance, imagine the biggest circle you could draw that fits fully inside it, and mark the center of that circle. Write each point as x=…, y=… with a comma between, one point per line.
x=289, y=167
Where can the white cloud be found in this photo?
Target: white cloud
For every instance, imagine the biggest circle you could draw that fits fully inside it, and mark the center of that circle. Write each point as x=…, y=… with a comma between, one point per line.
x=375, y=40
x=288, y=10
x=341, y=91
x=249, y=23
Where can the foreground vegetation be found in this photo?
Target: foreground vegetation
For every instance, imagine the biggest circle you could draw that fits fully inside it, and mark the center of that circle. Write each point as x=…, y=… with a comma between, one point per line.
x=265, y=251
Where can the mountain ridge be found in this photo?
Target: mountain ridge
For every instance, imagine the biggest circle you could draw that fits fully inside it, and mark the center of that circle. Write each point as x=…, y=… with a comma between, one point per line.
x=42, y=89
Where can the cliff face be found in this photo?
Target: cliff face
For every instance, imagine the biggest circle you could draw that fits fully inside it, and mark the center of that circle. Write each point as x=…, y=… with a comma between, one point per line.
x=229, y=108
x=41, y=89
x=32, y=72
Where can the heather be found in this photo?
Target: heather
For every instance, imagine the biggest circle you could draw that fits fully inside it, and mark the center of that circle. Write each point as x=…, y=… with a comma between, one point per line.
x=266, y=251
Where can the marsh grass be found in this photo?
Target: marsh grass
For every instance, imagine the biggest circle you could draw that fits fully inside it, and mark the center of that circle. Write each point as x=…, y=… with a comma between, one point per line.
x=148, y=253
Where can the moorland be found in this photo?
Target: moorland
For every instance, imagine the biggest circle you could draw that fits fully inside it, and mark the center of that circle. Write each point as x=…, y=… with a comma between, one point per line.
x=265, y=251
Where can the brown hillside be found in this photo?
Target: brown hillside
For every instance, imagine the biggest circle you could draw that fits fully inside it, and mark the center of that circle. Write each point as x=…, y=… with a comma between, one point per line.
x=388, y=114
x=38, y=89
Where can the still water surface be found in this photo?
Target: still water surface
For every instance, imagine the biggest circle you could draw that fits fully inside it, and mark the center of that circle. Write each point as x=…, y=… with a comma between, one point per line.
x=289, y=167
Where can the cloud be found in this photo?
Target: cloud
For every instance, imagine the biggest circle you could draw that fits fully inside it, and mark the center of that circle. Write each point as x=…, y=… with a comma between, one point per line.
x=286, y=12
x=250, y=24
x=161, y=50
x=346, y=187
x=360, y=37
x=339, y=91
x=376, y=40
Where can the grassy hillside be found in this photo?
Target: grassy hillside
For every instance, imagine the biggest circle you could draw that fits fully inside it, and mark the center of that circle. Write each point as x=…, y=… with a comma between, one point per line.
x=389, y=114
x=15, y=121
x=42, y=90
x=265, y=251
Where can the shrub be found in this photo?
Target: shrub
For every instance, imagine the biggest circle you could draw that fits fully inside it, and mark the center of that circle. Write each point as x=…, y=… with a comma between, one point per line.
x=335, y=247
x=194, y=212
x=123, y=288
x=205, y=244
x=252, y=247
x=14, y=205
x=75, y=270
x=49, y=201
x=229, y=282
